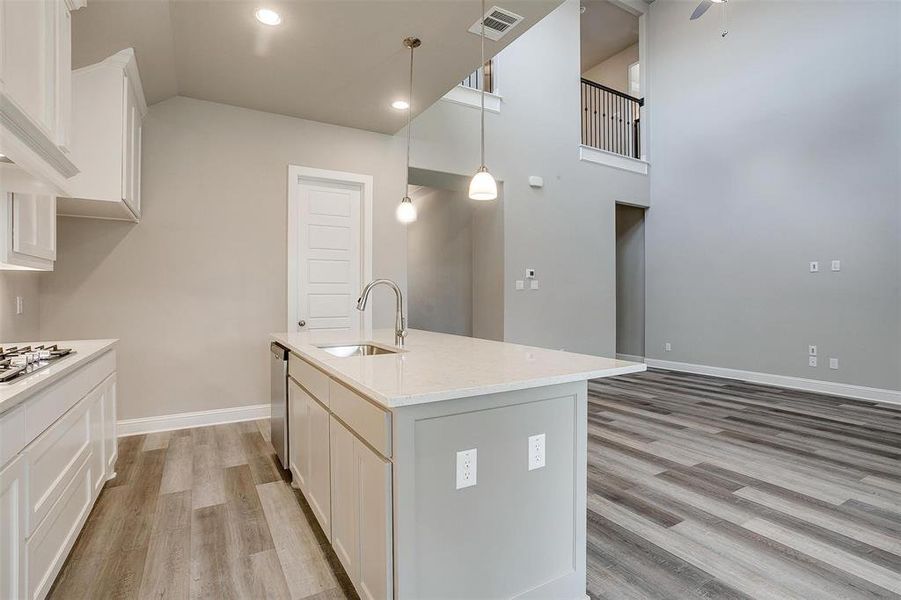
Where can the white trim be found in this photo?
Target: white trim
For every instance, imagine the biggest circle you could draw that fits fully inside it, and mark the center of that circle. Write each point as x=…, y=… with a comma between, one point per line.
x=859, y=392
x=630, y=357
x=295, y=173
x=472, y=97
x=185, y=420
x=636, y=7
x=612, y=159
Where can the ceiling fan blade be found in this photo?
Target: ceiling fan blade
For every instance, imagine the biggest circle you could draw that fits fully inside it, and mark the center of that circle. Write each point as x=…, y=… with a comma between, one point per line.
x=701, y=9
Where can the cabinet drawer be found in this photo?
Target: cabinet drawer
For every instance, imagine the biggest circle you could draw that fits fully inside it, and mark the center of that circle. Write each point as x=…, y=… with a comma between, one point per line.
x=48, y=546
x=311, y=378
x=53, y=459
x=365, y=418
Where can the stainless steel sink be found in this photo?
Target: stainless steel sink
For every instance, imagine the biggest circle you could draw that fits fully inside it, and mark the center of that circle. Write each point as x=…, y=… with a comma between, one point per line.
x=356, y=350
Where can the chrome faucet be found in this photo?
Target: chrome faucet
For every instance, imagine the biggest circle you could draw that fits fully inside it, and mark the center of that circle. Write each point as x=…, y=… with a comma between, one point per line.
x=400, y=322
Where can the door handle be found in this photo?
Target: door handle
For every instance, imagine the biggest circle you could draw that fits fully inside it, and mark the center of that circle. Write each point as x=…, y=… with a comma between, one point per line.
x=301, y=323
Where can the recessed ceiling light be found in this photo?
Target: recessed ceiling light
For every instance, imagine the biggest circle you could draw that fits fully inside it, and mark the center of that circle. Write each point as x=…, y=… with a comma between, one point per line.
x=400, y=104
x=268, y=17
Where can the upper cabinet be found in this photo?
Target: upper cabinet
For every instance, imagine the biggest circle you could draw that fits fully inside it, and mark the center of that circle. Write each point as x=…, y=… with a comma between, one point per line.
x=27, y=231
x=108, y=107
x=35, y=87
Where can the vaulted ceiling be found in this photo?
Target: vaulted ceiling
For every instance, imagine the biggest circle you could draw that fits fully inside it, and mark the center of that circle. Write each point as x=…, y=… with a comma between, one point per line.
x=606, y=30
x=334, y=61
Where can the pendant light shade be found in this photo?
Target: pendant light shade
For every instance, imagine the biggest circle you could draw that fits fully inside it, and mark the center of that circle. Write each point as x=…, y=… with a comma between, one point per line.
x=406, y=212
x=483, y=186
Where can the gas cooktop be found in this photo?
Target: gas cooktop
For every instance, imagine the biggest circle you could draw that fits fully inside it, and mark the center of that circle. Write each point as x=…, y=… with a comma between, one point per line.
x=16, y=363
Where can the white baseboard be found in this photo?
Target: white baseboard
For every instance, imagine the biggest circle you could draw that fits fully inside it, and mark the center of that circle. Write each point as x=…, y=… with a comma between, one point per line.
x=858, y=392
x=630, y=357
x=192, y=419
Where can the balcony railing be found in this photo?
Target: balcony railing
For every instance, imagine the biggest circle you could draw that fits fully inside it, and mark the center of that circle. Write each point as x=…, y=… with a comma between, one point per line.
x=610, y=119
x=477, y=78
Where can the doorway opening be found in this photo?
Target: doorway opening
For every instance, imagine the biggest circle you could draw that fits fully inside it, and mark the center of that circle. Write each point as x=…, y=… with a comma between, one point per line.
x=630, y=282
x=455, y=258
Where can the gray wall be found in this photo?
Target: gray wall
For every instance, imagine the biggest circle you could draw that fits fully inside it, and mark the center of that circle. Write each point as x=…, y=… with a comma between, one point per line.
x=24, y=327
x=194, y=289
x=773, y=147
x=439, y=262
x=564, y=230
x=630, y=294
x=614, y=71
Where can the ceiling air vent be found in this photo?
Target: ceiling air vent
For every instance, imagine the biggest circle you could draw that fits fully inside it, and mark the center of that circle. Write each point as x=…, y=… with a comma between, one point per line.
x=498, y=22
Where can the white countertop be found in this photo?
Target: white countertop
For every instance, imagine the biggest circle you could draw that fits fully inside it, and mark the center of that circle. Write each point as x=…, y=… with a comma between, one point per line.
x=13, y=394
x=438, y=366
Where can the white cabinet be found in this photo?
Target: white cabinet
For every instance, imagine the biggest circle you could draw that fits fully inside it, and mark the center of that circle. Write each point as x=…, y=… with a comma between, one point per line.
x=344, y=508
x=35, y=89
x=361, y=513
x=12, y=532
x=27, y=231
x=108, y=109
x=54, y=470
x=309, y=449
x=338, y=446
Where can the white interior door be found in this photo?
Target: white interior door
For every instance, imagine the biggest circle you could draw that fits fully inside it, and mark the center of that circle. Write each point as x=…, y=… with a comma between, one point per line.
x=331, y=249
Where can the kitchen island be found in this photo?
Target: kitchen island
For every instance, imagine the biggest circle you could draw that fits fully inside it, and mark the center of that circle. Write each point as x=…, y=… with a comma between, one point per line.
x=453, y=467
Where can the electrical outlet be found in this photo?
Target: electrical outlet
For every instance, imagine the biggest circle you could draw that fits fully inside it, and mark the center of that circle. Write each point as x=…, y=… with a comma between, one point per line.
x=536, y=451
x=833, y=363
x=20, y=305
x=811, y=361
x=836, y=265
x=814, y=266
x=667, y=347
x=466, y=468
x=520, y=285
x=534, y=284
x=812, y=350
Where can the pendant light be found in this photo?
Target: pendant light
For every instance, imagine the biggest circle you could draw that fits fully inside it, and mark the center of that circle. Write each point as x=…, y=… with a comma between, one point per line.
x=406, y=212
x=483, y=186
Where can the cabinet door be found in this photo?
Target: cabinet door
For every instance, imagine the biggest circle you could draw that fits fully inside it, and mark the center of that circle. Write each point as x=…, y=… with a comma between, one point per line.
x=375, y=524
x=128, y=142
x=344, y=494
x=95, y=418
x=298, y=438
x=318, y=493
x=110, y=441
x=34, y=225
x=29, y=55
x=63, y=83
x=12, y=531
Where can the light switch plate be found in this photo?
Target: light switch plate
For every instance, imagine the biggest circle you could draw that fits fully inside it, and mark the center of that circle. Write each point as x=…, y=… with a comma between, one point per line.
x=20, y=305
x=833, y=363
x=812, y=350
x=814, y=266
x=520, y=284
x=534, y=284
x=836, y=265
x=667, y=347
x=536, y=451
x=466, y=468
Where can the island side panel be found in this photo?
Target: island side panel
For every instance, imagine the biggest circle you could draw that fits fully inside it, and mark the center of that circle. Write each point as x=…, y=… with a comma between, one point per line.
x=516, y=533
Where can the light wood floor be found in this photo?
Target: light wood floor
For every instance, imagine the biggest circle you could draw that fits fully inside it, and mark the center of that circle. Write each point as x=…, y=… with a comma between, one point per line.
x=201, y=513
x=698, y=488
x=702, y=487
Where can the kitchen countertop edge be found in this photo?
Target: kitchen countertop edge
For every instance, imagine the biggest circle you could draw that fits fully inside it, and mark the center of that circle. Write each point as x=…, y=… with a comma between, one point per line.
x=14, y=394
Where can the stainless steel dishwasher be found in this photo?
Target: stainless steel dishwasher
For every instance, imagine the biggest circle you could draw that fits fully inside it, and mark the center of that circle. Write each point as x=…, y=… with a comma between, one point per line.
x=278, y=392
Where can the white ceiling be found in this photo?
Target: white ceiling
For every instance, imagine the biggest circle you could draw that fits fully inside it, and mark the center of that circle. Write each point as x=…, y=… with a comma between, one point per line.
x=606, y=30
x=334, y=61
